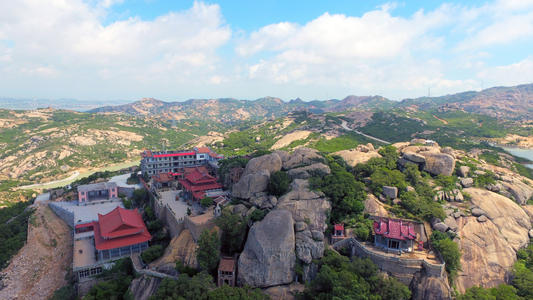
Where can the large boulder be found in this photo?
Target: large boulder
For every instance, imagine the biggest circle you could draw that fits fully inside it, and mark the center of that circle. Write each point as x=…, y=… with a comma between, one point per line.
x=374, y=207
x=144, y=287
x=250, y=184
x=301, y=157
x=318, y=169
x=438, y=163
x=307, y=248
x=391, y=192
x=430, y=287
x=520, y=191
x=489, y=246
x=509, y=217
x=305, y=205
x=356, y=156
x=269, y=162
x=467, y=182
x=268, y=257
x=463, y=171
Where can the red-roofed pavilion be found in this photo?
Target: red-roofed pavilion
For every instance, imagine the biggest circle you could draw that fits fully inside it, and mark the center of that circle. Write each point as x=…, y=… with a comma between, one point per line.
x=394, y=234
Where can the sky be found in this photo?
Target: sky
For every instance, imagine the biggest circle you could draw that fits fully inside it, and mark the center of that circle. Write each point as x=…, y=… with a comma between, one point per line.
x=176, y=50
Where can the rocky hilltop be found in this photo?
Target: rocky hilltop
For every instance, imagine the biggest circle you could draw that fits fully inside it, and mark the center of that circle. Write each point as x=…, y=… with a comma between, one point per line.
x=490, y=221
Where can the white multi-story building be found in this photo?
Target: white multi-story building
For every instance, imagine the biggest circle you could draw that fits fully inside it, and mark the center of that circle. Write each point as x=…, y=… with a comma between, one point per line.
x=155, y=162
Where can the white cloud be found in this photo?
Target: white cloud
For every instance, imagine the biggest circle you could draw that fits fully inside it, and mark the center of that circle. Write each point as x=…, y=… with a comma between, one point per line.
x=69, y=40
x=513, y=74
x=380, y=53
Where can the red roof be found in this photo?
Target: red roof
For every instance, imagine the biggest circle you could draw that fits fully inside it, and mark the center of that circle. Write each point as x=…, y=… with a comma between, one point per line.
x=163, y=177
x=395, y=229
x=175, y=154
x=84, y=225
x=119, y=228
x=339, y=227
x=197, y=176
x=204, y=150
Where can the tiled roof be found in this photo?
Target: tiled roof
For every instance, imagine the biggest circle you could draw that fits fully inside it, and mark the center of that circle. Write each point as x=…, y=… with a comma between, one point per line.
x=226, y=264
x=119, y=228
x=395, y=229
x=339, y=227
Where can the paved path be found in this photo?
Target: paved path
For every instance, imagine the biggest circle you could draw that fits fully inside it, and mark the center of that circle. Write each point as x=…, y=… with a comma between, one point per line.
x=345, y=126
x=137, y=265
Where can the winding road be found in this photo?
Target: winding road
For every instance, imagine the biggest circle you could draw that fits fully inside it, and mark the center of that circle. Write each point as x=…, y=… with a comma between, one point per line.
x=344, y=125
x=39, y=185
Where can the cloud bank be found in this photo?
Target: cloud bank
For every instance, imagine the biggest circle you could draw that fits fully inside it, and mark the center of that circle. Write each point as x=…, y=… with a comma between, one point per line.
x=66, y=48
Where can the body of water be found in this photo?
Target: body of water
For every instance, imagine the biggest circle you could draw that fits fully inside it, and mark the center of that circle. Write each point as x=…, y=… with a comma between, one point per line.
x=525, y=153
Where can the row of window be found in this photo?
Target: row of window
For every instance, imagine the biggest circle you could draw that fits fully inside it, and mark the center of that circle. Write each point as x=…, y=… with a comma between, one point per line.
x=90, y=272
x=117, y=252
x=154, y=159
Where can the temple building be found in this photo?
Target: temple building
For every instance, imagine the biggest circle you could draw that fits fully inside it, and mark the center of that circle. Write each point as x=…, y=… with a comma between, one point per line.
x=394, y=234
x=198, y=183
x=116, y=234
x=97, y=193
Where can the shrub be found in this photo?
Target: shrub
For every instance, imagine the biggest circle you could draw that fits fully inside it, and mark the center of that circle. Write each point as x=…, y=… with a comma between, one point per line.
x=152, y=253
x=278, y=183
x=449, y=251
x=206, y=202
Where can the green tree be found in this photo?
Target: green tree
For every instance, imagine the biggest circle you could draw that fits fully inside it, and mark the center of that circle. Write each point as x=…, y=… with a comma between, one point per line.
x=236, y=293
x=390, y=155
x=206, y=202
x=449, y=251
x=208, y=252
x=278, y=183
x=233, y=227
x=185, y=287
x=383, y=176
x=345, y=193
x=152, y=253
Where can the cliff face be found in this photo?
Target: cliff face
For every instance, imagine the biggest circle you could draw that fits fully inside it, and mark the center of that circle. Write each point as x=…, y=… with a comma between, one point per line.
x=489, y=247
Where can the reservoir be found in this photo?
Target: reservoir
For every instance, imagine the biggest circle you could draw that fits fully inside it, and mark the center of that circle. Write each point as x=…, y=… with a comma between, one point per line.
x=524, y=153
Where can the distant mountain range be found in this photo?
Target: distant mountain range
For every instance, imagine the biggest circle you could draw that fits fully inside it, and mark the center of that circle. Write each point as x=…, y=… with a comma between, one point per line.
x=513, y=103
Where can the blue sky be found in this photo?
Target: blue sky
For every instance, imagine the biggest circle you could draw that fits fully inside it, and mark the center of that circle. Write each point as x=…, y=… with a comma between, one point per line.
x=176, y=50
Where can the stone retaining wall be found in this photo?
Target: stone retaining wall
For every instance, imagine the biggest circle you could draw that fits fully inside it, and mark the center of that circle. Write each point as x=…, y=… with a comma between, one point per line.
x=64, y=214
x=165, y=214
x=402, y=268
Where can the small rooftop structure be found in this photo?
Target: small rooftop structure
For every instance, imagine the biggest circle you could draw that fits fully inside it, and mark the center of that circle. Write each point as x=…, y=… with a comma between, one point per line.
x=226, y=271
x=96, y=186
x=338, y=233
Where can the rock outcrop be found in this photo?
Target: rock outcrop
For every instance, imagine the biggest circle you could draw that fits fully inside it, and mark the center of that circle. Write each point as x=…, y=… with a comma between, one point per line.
x=268, y=258
x=306, y=205
x=430, y=157
x=250, y=184
x=318, y=169
x=143, y=287
x=489, y=246
x=374, y=207
x=439, y=163
x=359, y=155
x=301, y=157
x=427, y=287
x=256, y=175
